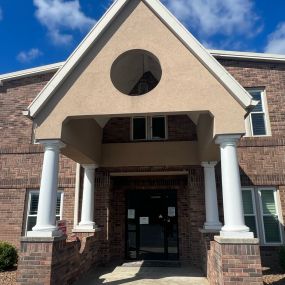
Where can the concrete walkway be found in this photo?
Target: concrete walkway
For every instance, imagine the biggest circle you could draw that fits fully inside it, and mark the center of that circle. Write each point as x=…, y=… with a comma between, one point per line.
x=184, y=275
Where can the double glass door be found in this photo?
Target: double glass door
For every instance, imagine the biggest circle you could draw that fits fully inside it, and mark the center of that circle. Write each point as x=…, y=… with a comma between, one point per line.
x=152, y=225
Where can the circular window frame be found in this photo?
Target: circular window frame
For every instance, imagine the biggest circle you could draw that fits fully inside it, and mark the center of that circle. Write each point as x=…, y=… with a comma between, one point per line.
x=136, y=72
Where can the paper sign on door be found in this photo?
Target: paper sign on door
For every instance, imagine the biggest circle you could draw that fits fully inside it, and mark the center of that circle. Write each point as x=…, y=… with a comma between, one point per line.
x=131, y=213
x=171, y=211
x=144, y=220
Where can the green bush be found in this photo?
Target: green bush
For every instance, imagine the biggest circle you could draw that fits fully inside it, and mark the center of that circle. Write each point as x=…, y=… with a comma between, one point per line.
x=8, y=256
x=282, y=257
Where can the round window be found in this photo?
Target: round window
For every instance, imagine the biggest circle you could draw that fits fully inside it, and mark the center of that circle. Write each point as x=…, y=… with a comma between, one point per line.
x=136, y=72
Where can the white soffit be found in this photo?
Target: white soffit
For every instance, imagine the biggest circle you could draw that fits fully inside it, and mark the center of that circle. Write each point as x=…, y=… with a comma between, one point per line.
x=237, y=91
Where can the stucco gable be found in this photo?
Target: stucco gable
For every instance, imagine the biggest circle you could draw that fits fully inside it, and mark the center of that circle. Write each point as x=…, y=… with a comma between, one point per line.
x=173, y=24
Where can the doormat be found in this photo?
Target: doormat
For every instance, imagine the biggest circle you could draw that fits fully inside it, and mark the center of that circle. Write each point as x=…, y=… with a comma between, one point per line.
x=152, y=263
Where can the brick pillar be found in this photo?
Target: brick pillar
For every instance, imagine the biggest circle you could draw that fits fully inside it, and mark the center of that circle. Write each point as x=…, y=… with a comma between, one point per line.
x=234, y=261
x=56, y=261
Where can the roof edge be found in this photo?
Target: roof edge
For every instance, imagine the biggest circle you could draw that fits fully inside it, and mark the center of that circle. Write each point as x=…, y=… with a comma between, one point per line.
x=30, y=71
x=252, y=56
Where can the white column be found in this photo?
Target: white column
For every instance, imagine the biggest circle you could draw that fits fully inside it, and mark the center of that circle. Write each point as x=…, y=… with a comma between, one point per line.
x=87, y=208
x=212, y=212
x=46, y=217
x=232, y=196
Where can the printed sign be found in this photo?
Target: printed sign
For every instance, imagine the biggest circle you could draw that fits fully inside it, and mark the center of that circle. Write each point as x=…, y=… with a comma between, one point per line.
x=61, y=224
x=171, y=211
x=131, y=213
x=144, y=220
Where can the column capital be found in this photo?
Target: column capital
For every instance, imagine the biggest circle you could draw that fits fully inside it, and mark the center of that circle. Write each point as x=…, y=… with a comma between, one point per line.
x=52, y=144
x=90, y=166
x=227, y=139
x=209, y=164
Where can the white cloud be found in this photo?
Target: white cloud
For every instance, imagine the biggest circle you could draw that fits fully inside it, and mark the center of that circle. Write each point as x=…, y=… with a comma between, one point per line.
x=60, y=17
x=212, y=17
x=276, y=40
x=28, y=56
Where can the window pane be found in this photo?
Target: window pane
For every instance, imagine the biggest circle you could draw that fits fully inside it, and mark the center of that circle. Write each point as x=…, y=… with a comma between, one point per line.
x=158, y=127
x=268, y=202
x=139, y=128
x=271, y=227
x=258, y=124
x=247, y=202
x=31, y=223
x=58, y=200
x=256, y=95
x=250, y=222
x=34, y=204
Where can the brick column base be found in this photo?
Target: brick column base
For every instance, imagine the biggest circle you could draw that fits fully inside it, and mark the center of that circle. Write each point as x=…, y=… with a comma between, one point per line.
x=234, y=261
x=53, y=261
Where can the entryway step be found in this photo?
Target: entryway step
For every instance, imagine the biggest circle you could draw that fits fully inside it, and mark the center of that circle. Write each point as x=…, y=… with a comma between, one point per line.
x=152, y=263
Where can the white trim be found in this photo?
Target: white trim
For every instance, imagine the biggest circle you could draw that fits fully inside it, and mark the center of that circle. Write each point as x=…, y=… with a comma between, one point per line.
x=31, y=71
x=248, y=120
x=221, y=74
x=252, y=56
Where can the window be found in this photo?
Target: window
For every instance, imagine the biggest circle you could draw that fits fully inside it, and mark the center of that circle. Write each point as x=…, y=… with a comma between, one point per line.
x=139, y=128
x=261, y=214
x=258, y=120
x=32, y=211
x=149, y=128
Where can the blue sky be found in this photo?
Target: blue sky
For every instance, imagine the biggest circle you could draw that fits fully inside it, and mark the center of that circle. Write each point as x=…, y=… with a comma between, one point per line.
x=38, y=32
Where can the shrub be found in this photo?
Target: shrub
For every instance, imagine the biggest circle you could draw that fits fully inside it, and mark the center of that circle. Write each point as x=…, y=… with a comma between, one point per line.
x=282, y=257
x=8, y=256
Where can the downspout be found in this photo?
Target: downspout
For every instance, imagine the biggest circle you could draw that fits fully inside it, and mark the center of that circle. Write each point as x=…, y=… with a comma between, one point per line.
x=76, y=195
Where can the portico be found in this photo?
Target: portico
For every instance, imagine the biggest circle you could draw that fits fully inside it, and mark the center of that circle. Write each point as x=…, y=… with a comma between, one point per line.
x=87, y=113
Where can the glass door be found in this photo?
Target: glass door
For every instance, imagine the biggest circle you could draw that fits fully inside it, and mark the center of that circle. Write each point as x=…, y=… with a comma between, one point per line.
x=152, y=225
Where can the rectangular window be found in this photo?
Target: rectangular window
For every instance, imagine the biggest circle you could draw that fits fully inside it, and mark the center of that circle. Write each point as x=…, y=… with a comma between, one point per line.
x=148, y=128
x=258, y=120
x=249, y=210
x=158, y=128
x=261, y=214
x=32, y=211
x=269, y=215
x=139, y=128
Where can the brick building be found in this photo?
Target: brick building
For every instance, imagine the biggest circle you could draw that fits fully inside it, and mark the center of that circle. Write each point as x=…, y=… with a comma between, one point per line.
x=148, y=149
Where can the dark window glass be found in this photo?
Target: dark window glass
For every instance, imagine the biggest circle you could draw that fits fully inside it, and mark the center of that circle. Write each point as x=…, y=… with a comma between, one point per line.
x=139, y=128
x=158, y=128
x=258, y=124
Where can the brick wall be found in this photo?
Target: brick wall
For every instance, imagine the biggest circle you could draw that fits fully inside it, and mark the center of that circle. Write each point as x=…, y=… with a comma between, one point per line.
x=233, y=262
x=56, y=261
x=179, y=128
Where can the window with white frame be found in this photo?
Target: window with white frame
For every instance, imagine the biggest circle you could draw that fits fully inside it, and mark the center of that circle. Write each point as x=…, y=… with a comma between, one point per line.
x=149, y=128
x=261, y=214
x=258, y=119
x=32, y=208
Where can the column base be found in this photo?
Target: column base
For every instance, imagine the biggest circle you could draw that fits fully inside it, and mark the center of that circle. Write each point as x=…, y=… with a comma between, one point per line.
x=236, y=232
x=213, y=226
x=39, y=233
x=85, y=227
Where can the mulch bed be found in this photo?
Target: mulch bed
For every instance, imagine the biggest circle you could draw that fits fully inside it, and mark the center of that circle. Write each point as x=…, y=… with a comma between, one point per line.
x=273, y=276
x=8, y=277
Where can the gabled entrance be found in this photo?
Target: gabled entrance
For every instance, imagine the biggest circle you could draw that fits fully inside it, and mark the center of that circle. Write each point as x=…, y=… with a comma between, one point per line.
x=152, y=231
